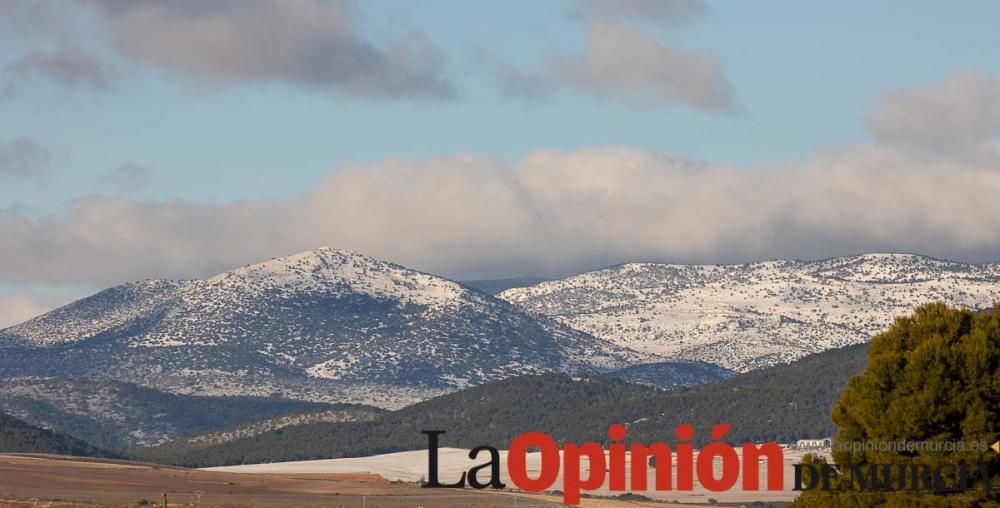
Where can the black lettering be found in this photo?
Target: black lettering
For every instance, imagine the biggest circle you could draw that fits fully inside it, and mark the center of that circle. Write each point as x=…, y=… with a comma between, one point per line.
x=493, y=464
x=813, y=476
x=432, y=463
x=921, y=477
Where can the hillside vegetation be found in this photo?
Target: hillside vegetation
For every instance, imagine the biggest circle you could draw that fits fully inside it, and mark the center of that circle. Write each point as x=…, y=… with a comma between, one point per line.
x=17, y=436
x=933, y=377
x=672, y=374
x=780, y=403
x=114, y=415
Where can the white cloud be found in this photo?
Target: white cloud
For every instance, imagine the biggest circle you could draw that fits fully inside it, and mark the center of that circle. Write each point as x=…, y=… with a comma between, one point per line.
x=623, y=62
x=962, y=113
x=553, y=212
x=313, y=43
x=309, y=43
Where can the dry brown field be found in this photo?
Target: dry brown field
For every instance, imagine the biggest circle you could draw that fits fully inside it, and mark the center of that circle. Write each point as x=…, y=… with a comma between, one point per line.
x=65, y=482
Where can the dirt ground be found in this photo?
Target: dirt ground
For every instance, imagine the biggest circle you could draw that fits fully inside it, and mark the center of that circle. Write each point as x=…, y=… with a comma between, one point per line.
x=33, y=480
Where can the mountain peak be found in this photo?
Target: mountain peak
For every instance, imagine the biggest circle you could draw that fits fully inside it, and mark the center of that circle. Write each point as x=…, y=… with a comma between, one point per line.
x=323, y=324
x=310, y=260
x=329, y=270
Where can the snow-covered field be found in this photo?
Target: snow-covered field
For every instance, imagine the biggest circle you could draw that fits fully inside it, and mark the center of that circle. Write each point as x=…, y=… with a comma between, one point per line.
x=412, y=467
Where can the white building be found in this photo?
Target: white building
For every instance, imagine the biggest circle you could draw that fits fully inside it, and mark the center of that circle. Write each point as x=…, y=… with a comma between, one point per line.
x=825, y=442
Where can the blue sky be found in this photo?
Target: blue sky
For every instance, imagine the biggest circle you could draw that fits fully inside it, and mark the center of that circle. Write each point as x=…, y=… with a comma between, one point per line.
x=122, y=120
x=804, y=76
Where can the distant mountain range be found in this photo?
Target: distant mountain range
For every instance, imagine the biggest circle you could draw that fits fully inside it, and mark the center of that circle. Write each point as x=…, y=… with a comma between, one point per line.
x=338, y=327
x=325, y=325
x=748, y=316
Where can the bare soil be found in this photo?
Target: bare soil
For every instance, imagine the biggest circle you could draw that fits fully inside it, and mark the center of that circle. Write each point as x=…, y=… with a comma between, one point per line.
x=57, y=481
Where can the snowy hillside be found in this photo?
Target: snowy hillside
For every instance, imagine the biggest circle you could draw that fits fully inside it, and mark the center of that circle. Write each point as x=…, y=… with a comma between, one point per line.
x=748, y=316
x=321, y=325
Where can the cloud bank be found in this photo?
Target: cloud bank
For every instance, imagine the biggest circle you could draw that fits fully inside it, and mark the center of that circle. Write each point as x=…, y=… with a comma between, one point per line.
x=550, y=213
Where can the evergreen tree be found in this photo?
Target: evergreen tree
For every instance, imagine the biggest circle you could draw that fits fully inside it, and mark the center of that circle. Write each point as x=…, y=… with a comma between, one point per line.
x=932, y=380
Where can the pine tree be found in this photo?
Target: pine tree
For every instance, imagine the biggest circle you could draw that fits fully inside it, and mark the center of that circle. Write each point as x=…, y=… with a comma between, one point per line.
x=933, y=379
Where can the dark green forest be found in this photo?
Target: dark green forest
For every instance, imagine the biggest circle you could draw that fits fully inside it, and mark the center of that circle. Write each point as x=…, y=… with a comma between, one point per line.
x=17, y=436
x=141, y=408
x=780, y=403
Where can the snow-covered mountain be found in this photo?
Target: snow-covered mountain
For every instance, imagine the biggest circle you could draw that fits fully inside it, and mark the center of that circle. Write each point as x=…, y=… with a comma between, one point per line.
x=322, y=325
x=748, y=316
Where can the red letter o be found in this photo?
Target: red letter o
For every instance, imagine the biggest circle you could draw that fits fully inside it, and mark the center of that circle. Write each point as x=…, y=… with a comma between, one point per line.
x=517, y=466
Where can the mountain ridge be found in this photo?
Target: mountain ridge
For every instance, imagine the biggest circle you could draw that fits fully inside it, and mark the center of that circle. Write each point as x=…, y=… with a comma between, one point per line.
x=752, y=315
